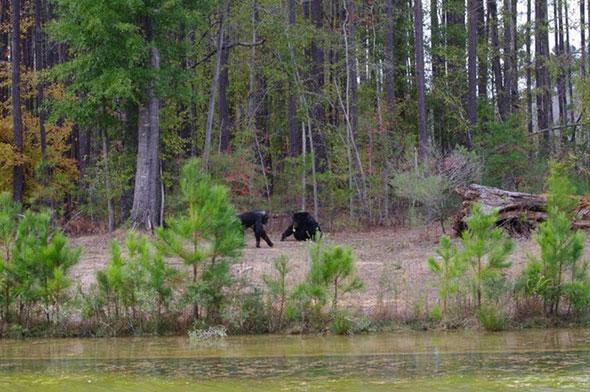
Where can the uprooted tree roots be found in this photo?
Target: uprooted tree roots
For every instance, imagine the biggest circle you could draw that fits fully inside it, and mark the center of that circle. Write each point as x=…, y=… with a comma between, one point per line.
x=518, y=213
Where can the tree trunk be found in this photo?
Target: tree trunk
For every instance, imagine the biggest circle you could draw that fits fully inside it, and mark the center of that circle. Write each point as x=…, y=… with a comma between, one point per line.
x=146, y=197
x=529, y=65
x=568, y=72
x=510, y=72
x=582, y=39
x=214, y=85
x=482, y=50
x=472, y=68
x=107, y=175
x=420, y=82
x=3, y=52
x=542, y=81
x=518, y=213
x=353, y=86
x=295, y=140
x=225, y=122
x=317, y=85
x=496, y=67
x=39, y=65
x=388, y=55
x=18, y=171
x=561, y=82
x=438, y=78
x=256, y=102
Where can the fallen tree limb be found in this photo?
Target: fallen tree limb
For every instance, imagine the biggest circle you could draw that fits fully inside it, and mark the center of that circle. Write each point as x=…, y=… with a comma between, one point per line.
x=518, y=213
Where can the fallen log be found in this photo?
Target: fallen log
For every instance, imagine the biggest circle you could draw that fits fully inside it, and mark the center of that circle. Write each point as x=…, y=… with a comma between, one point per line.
x=518, y=213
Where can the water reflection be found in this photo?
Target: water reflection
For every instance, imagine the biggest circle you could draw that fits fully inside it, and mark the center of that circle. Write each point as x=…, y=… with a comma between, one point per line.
x=507, y=359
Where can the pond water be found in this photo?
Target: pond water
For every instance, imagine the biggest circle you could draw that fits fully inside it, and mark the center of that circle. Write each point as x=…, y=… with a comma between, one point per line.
x=532, y=360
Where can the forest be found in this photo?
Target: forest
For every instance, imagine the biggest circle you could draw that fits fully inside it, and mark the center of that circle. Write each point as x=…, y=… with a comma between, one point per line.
x=335, y=107
x=169, y=117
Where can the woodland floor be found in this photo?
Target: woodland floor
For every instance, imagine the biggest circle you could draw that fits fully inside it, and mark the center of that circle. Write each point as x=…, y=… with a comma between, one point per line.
x=390, y=261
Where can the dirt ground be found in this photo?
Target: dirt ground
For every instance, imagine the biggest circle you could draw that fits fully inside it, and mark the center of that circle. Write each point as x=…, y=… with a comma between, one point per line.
x=391, y=262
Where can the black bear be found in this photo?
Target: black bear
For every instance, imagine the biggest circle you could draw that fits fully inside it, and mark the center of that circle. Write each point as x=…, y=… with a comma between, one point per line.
x=256, y=220
x=303, y=227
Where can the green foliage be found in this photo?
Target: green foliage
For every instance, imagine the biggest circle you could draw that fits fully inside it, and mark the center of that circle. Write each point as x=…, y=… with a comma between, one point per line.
x=436, y=314
x=139, y=281
x=8, y=226
x=208, y=237
x=448, y=270
x=34, y=263
x=93, y=191
x=277, y=291
x=506, y=149
x=479, y=263
x=492, y=317
x=485, y=250
x=561, y=249
x=331, y=275
x=332, y=268
x=430, y=186
x=577, y=293
x=341, y=324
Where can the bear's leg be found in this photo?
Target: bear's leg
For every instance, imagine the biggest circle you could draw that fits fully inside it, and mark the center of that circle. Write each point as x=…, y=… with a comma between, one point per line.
x=265, y=237
x=261, y=233
x=287, y=233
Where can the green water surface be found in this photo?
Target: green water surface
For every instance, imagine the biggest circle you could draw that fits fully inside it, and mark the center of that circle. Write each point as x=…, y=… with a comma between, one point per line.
x=534, y=360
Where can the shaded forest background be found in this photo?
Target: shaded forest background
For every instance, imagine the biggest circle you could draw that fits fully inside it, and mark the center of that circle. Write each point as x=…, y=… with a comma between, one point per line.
x=362, y=112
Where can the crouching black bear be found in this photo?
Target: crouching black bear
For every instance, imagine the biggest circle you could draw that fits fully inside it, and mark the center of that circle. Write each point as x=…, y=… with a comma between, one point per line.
x=256, y=220
x=303, y=227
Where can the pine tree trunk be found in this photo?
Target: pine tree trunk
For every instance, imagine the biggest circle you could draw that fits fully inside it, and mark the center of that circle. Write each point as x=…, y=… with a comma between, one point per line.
x=3, y=53
x=225, y=122
x=508, y=80
x=561, y=82
x=105, y=158
x=389, y=59
x=295, y=141
x=317, y=84
x=529, y=65
x=420, y=82
x=214, y=85
x=39, y=65
x=482, y=51
x=472, y=68
x=353, y=110
x=582, y=39
x=145, y=212
x=496, y=67
x=568, y=73
x=542, y=81
x=438, y=74
x=18, y=171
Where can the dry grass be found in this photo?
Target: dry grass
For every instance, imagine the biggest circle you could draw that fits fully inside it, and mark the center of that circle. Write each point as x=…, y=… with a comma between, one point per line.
x=391, y=262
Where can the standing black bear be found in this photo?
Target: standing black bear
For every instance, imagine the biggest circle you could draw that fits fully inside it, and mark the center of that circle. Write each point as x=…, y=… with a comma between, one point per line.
x=256, y=220
x=303, y=227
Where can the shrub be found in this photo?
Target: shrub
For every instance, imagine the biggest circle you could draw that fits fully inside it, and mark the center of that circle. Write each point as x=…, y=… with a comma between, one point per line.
x=430, y=186
x=8, y=225
x=492, y=317
x=277, y=291
x=448, y=270
x=208, y=237
x=485, y=250
x=341, y=324
x=41, y=262
x=331, y=275
x=332, y=269
x=132, y=287
x=561, y=250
